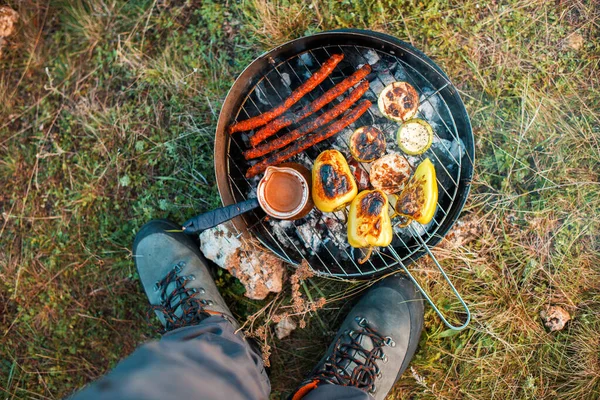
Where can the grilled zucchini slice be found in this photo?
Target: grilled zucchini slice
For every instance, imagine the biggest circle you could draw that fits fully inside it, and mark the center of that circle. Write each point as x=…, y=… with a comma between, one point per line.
x=415, y=136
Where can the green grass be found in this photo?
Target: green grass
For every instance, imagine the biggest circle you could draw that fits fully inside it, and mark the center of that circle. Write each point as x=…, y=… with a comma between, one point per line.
x=107, y=115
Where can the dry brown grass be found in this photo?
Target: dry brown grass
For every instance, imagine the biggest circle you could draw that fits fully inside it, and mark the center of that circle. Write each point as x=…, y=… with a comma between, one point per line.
x=281, y=20
x=110, y=136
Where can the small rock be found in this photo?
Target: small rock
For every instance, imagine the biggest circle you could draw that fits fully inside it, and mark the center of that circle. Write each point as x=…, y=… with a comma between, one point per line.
x=574, y=41
x=465, y=231
x=555, y=318
x=257, y=269
x=8, y=19
x=284, y=327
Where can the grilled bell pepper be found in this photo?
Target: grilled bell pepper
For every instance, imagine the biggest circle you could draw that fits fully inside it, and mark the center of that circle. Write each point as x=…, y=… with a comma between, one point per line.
x=333, y=185
x=418, y=200
x=369, y=222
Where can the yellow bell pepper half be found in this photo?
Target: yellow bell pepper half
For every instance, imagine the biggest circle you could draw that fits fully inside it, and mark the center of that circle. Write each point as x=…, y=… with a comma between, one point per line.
x=418, y=200
x=369, y=223
x=333, y=185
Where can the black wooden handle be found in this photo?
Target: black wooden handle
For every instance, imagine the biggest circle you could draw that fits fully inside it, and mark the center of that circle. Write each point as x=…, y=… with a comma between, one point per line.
x=216, y=217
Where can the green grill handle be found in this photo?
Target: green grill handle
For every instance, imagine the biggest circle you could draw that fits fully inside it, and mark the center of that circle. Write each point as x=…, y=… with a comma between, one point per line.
x=429, y=300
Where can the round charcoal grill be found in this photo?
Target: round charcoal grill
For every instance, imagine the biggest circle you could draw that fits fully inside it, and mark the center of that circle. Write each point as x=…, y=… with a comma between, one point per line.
x=319, y=238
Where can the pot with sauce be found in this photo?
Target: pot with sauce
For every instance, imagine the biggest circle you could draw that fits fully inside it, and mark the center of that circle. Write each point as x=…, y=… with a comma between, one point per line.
x=283, y=193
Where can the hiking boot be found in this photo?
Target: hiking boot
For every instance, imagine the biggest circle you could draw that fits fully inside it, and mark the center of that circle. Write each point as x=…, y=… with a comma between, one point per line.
x=176, y=277
x=376, y=341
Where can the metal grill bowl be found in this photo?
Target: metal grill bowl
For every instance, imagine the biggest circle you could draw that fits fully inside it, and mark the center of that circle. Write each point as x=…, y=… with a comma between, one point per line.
x=268, y=81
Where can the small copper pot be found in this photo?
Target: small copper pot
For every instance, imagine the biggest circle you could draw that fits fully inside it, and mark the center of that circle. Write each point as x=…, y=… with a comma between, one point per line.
x=284, y=191
x=274, y=200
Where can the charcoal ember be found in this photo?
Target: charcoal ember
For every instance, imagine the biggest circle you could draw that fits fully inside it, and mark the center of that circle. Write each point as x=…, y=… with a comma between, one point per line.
x=400, y=73
x=372, y=57
x=308, y=231
x=337, y=227
x=360, y=175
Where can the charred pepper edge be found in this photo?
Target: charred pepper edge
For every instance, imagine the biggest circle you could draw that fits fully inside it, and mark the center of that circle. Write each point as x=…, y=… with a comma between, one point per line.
x=424, y=169
x=385, y=234
x=323, y=202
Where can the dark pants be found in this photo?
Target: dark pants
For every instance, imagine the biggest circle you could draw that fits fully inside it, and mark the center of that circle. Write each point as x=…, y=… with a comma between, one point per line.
x=207, y=361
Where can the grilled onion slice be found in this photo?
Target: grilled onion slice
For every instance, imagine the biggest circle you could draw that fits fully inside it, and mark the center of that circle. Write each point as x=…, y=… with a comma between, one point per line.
x=389, y=173
x=367, y=143
x=415, y=136
x=398, y=101
x=333, y=184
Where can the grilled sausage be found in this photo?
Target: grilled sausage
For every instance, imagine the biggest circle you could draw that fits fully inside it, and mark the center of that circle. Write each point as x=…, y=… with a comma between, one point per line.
x=296, y=95
x=310, y=126
x=286, y=120
x=311, y=140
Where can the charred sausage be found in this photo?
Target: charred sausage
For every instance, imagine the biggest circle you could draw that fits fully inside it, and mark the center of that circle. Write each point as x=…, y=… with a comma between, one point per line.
x=296, y=95
x=322, y=120
x=326, y=98
x=311, y=140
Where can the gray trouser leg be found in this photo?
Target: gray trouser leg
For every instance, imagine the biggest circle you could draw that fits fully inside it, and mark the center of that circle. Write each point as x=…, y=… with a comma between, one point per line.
x=206, y=361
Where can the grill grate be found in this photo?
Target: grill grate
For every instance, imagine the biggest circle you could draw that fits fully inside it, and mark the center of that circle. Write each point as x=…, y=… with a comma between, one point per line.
x=334, y=257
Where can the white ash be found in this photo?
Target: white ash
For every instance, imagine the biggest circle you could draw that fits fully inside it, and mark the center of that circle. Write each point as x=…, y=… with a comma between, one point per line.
x=375, y=110
x=310, y=234
x=444, y=146
x=280, y=228
x=303, y=159
x=285, y=77
x=400, y=74
x=418, y=228
x=446, y=153
x=386, y=77
x=337, y=228
x=306, y=59
x=376, y=86
x=342, y=140
x=261, y=96
x=457, y=149
x=371, y=56
x=407, y=233
x=252, y=194
x=428, y=108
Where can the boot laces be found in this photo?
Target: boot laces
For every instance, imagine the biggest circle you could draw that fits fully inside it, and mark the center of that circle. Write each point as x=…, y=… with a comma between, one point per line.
x=346, y=352
x=179, y=306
